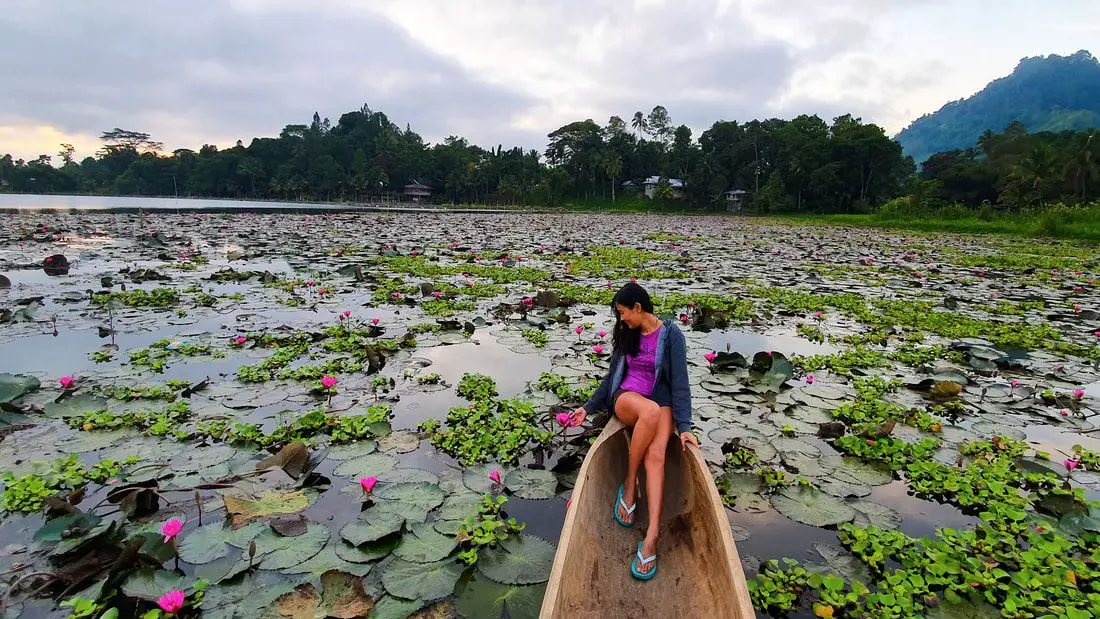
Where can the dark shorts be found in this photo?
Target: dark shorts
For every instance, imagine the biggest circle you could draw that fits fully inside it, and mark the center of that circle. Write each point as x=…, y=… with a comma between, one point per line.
x=615, y=400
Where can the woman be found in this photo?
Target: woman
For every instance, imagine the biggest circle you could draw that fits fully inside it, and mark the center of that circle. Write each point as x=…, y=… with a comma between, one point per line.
x=647, y=388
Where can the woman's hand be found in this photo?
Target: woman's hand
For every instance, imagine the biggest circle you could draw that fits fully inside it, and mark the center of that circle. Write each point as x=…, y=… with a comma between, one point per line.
x=688, y=437
x=578, y=416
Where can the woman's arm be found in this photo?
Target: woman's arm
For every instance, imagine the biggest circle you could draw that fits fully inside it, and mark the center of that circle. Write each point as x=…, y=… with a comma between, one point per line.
x=599, y=399
x=680, y=384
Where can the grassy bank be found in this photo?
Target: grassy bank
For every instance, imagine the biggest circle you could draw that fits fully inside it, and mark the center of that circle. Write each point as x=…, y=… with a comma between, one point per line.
x=1081, y=224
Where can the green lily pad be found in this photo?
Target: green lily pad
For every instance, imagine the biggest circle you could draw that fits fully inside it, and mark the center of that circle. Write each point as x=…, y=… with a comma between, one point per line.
x=421, y=494
x=421, y=581
x=812, y=507
x=147, y=584
x=458, y=506
x=75, y=405
x=365, y=553
x=15, y=386
x=371, y=525
x=476, y=478
x=869, y=513
x=280, y=552
x=389, y=607
x=481, y=597
x=326, y=560
x=352, y=451
x=520, y=560
x=844, y=563
x=531, y=483
x=422, y=544
x=212, y=541
x=370, y=465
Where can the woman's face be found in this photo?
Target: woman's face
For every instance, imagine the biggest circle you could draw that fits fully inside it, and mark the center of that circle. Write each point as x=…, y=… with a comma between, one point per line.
x=632, y=316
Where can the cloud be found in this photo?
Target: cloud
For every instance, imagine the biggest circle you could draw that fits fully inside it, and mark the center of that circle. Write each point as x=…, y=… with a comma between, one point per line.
x=194, y=72
x=498, y=71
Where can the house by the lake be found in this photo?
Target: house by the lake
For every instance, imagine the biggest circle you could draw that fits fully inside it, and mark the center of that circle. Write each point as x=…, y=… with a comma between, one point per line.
x=735, y=199
x=675, y=184
x=418, y=191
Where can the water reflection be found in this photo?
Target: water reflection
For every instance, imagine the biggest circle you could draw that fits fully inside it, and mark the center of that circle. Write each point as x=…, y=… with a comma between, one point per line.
x=749, y=343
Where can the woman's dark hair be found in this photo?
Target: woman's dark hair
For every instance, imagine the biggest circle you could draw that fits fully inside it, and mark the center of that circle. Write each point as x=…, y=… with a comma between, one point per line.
x=624, y=338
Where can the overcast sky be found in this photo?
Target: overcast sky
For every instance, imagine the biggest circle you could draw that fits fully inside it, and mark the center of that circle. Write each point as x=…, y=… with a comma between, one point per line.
x=498, y=71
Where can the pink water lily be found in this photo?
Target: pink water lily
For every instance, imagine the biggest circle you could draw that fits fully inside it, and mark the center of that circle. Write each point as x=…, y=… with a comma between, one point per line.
x=710, y=356
x=810, y=379
x=597, y=349
x=633, y=280
x=1063, y=413
x=579, y=330
x=171, y=529
x=1077, y=308
x=437, y=294
x=604, y=333
x=1077, y=289
x=347, y=314
x=328, y=382
x=1071, y=464
x=564, y=420
x=240, y=340
x=683, y=318
x=374, y=321
x=1078, y=393
x=171, y=602
x=66, y=382
x=494, y=476
x=368, y=483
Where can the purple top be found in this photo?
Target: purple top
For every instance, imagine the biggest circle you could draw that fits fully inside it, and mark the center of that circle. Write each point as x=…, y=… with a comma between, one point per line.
x=641, y=369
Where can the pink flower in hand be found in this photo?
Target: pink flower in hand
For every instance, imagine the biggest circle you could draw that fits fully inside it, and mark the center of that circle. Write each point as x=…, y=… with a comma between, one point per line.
x=328, y=382
x=171, y=529
x=564, y=420
x=1071, y=464
x=171, y=602
x=710, y=356
x=368, y=483
x=597, y=349
x=66, y=382
x=494, y=476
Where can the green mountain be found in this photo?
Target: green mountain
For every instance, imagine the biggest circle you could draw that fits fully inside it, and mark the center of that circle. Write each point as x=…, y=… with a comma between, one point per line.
x=1055, y=93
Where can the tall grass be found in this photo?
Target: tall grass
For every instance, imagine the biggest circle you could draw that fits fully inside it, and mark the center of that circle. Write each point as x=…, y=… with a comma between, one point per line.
x=1056, y=221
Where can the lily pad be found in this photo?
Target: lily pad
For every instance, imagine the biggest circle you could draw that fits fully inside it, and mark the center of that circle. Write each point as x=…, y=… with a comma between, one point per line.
x=371, y=525
x=422, y=544
x=421, y=581
x=482, y=597
x=352, y=451
x=531, y=483
x=15, y=386
x=375, y=464
x=341, y=596
x=520, y=560
x=401, y=441
x=326, y=560
x=271, y=502
x=423, y=495
x=812, y=507
x=147, y=584
x=389, y=607
x=476, y=478
x=365, y=553
x=869, y=513
x=280, y=552
x=844, y=563
x=212, y=541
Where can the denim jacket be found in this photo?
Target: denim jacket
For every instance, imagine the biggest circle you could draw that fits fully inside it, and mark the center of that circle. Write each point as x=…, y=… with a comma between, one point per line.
x=670, y=363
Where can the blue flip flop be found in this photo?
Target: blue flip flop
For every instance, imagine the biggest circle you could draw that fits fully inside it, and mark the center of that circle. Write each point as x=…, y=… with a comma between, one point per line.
x=638, y=561
x=629, y=510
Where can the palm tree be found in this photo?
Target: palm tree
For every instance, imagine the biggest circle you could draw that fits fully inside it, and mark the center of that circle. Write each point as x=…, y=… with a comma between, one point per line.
x=1034, y=168
x=638, y=123
x=1082, y=166
x=613, y=165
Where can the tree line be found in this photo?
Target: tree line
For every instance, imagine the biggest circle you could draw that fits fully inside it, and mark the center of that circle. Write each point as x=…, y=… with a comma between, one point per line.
x=800, y=165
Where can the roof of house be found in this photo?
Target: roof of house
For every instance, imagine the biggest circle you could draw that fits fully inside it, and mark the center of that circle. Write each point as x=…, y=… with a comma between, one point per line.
x=736, y=192
x=416, y=185
x=675, y=183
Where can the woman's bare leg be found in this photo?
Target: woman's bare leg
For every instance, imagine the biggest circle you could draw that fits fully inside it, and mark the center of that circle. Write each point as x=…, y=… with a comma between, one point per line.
x=641, y=414
x=655, y=483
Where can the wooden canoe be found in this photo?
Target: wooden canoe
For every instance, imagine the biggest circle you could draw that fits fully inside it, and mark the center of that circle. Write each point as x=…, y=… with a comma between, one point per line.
x=699, y=573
